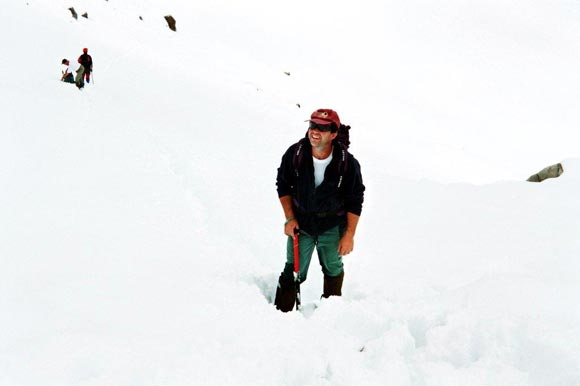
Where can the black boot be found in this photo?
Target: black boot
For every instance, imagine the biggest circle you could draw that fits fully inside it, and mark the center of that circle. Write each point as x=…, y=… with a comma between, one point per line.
x=333, y=285
x=285, y=295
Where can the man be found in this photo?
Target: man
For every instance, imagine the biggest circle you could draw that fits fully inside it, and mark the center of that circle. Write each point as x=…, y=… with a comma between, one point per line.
x=67, y=75
x=69, y=69
x=87, y=62
x=321, y=192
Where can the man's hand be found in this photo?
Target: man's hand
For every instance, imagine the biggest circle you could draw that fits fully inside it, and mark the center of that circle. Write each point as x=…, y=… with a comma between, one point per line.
x=290, y=227
x=346, y=244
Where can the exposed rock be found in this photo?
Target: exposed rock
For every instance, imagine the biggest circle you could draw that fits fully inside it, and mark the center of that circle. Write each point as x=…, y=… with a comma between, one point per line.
x=552, y=171
x=85, y=15
x=287, y=73
x=74, y=13
x=170, y=22
x=140, y=18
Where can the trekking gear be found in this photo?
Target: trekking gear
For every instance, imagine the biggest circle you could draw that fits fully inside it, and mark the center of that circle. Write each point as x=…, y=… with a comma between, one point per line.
x=285, y=296
x=318, y=209
x=314, y=214
x=342, y=140
x=288, y=293
x=297, y=268
x=343, y=137
x=87, y=61
x=295, y=271
x=333, y=285
x=319, y=206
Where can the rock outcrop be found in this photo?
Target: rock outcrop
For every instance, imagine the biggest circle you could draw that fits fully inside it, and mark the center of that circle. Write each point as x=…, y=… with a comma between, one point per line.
x=170, y=22
x=552, y=171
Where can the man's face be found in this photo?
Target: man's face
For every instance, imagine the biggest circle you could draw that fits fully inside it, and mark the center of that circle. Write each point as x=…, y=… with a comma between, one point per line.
x=320, y=136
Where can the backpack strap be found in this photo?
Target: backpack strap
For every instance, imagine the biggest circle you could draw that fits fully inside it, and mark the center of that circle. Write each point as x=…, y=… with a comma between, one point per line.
x=297, y=157
x=342, y=165
x=342, y=161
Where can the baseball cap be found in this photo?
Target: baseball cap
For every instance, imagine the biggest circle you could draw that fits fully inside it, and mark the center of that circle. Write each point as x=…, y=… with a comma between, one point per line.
x=324, y=117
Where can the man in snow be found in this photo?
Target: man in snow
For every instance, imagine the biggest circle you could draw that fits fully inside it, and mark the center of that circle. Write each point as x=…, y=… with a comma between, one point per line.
x=321, y=191
x=87, y=62
x=67, y=75
x=69, y=69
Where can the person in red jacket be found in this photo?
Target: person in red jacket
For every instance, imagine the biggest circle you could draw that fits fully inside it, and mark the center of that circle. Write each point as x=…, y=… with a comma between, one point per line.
x=87, y=62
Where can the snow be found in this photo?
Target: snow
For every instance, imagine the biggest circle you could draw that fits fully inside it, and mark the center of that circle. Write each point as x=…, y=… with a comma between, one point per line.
x=140, y=231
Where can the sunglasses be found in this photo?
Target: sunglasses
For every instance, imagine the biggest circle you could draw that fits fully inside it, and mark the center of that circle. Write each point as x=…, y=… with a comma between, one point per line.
x=319, y=127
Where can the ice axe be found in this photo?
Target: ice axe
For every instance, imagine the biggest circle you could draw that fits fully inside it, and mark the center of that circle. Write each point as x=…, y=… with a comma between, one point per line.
x=297, y=267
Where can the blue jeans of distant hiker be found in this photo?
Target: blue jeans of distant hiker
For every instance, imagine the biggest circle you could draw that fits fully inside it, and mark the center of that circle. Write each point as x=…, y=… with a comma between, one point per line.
x=326, y=246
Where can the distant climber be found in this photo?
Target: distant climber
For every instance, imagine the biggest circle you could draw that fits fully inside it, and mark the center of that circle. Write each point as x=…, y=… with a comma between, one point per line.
x=67, y=75
x=87, y=62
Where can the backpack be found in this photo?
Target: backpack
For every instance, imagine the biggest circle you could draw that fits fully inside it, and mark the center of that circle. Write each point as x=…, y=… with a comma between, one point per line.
x=86, y=61
x=343, y=137
x=342, y=140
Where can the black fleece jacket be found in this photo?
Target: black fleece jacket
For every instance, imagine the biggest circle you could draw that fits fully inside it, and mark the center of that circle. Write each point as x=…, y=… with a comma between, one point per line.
x=87, y=61
x=320, y=209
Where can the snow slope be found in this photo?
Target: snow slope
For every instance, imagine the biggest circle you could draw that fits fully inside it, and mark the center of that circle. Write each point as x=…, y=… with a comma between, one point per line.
x=140, y=232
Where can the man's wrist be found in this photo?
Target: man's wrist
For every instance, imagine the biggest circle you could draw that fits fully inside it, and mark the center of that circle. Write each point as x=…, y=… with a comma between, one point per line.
x=288, y=220
x=349, y=234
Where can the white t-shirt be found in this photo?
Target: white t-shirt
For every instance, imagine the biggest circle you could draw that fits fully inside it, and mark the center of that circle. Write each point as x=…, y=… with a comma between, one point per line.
x=65, y=69
x=72, y=67
x=319, y=169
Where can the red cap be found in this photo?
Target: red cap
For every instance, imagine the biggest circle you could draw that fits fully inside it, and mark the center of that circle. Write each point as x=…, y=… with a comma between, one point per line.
x=324, y=117
x=85, y=50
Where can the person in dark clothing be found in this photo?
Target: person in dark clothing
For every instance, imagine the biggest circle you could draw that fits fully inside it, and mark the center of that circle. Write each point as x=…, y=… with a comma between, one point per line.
x=87, y=62
x=321, y=191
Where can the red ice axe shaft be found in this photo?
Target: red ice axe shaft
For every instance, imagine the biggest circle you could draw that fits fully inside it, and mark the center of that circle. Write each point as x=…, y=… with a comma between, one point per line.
x=297, y=268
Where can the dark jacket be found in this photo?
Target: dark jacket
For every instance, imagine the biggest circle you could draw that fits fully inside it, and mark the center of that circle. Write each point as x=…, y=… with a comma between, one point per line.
x=320, y=209
x=87, y=61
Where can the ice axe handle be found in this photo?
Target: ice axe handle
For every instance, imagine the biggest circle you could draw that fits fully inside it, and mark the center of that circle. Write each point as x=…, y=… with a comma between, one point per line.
x=297, y=269
x=296, y=253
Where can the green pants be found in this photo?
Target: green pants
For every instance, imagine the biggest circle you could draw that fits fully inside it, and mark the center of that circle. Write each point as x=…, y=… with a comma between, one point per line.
x=326, y=246
x=79, y=78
